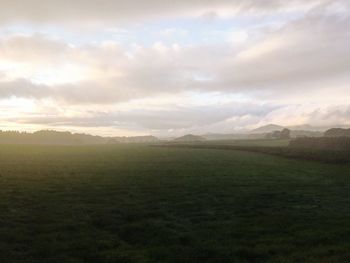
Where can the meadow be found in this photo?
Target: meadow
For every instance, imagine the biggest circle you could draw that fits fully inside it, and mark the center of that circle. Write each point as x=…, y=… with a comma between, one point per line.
x=136, y=203
x=328, y=150
x=240, y=143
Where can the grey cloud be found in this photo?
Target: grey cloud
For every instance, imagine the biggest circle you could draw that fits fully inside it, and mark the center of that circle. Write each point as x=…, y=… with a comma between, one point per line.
x=306, y=55
x=77, y=93
x=97, y=11
x=312, y=49
x=23, y=88
x=335, y=115
x=311, y=53
x=198, y=119
x=34, y=48
x=171, y=118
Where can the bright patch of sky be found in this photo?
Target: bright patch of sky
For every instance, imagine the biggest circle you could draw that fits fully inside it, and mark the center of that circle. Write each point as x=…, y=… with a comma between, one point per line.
x=184, y=31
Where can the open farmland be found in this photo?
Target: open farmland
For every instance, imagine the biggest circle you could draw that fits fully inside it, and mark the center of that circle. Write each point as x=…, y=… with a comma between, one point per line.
x=135, y=203
x=329, y=150
x=245, y=143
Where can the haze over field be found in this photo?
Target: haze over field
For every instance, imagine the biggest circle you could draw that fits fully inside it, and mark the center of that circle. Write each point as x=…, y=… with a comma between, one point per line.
x=169, y=68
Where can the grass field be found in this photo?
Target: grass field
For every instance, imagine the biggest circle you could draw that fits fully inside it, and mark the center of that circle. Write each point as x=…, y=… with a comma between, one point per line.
x=250, y=143
x=280, y=147
x=245, y=143
x=134, y=203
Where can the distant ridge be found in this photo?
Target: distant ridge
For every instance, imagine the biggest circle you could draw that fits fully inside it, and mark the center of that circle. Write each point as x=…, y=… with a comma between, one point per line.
x=134, y=139
x=189, y=138
x=304, y=128
x=68, y=138
x=267, y=128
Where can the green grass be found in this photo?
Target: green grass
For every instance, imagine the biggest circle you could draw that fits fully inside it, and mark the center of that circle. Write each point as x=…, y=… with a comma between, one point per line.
x=133, y=203
x=300, y=149
x=257, y=142
x=248, y=143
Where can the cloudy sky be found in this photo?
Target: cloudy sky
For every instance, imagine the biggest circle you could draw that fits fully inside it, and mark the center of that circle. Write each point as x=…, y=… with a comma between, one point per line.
x=170, y=67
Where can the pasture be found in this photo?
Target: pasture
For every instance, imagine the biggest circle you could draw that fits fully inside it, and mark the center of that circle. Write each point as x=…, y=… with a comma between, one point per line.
x=135, y=203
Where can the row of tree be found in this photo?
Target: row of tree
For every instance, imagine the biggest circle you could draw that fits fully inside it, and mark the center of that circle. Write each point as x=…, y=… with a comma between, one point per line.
x=337, y=132
x=66, y=138
x=287, y=134
x=283, y=134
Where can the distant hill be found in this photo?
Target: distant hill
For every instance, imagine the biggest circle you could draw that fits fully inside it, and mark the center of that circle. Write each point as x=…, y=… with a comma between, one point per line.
x=337, y=132
x=222, y=136
x=66, y=138
x=307, y=127
x=267, y=128
x=232, y=136
x=296, y=131
x=134, y=139
x=303, y=127
x=305, y=133
x=189, y=138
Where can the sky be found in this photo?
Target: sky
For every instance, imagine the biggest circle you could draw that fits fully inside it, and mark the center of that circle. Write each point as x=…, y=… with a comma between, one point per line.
x=168, y=68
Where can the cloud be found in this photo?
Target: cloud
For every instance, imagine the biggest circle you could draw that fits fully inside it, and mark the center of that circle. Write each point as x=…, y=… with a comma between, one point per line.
x=228, y=118
x=335, y=115
x=309, y=54
x=77, y=93
x=305, y=57
x=171, y=117
x=119, y=11
x=312, y=49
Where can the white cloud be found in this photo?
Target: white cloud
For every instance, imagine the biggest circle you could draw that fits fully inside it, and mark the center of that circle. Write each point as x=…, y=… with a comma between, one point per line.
x=310, y=54
x=92, y=12
x=279, y=71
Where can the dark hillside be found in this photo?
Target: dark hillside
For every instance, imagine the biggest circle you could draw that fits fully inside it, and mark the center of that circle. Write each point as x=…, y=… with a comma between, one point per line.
x=322, y=143
x=337, y=132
